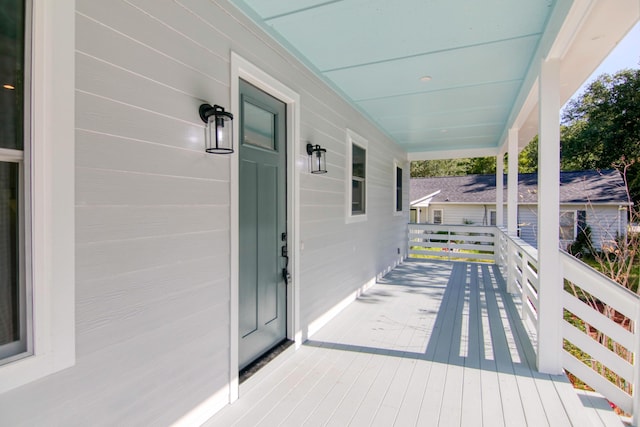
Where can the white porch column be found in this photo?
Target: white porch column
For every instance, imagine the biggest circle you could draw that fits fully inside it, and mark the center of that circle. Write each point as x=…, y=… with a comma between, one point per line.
x=549, y=267
x=500, y=189
x=512, y=184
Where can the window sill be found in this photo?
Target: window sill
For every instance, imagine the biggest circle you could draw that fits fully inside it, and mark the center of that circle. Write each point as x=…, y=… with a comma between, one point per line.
x=356, y=218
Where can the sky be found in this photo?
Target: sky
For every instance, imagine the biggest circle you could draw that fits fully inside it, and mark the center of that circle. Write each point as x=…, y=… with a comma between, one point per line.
x=625, y=55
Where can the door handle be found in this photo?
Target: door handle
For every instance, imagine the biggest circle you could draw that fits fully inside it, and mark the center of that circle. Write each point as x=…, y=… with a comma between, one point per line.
x=284, y=252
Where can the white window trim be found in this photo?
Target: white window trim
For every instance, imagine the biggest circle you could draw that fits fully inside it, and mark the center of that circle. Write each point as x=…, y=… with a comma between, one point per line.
x=496, y=215
x=433, y=216
x=354, y=138
x=397, y=164
x=51, y=249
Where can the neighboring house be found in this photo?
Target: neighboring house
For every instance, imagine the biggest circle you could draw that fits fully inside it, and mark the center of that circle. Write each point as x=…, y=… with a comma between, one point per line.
x=594, y=198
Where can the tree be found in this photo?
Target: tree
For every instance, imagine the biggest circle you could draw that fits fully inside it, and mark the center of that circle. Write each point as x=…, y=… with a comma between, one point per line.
x=528, y=158
x=602, y=126
x=429, y=168
x=481, y=165
x=528, y=162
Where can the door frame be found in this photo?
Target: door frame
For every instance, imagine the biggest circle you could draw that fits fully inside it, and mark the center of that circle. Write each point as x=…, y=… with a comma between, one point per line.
x=243, y=69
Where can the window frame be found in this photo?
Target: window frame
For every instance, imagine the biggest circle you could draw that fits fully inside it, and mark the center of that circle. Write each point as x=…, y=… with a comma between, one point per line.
x=398, y=191
x=49, y=194
x=355, y=139
x=433, y=216
x=575, y=225
x=17, y=349
x=493, y=212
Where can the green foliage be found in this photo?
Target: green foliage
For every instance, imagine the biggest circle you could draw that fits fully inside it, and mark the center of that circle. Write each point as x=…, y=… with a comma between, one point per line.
x=602, y=126
x=528, y=162
x=429, y=168
x=583, y=244
x=482, y=165
x=453, y=167
x=528, y=158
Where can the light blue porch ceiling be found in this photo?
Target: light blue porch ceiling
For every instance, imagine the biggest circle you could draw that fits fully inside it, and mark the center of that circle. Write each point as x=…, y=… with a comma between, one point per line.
x=433, y=74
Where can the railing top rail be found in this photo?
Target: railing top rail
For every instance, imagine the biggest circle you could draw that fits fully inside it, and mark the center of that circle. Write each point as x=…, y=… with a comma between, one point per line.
x=526, y=248
x=454, y=227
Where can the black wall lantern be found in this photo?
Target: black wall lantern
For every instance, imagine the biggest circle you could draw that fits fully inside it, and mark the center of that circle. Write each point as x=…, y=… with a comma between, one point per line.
x=218, y=133
x=317, y=158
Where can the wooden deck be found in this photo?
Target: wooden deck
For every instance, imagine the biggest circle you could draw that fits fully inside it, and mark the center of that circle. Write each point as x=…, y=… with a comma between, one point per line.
x=432, y=344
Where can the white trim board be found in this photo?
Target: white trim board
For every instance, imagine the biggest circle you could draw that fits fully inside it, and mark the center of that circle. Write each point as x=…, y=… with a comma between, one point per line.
x=52, y=187
x=355, y=139
x=243, y=69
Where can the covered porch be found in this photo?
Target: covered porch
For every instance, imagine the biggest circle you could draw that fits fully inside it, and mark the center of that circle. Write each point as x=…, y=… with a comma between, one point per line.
x=431, y=343
x=127, y=233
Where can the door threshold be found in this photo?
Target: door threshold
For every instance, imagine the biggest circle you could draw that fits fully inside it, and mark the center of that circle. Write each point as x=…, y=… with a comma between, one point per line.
x=263, y=360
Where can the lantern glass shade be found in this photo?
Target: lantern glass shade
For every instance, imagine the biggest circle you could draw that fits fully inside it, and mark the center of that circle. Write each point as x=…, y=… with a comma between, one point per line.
x=218, y=132
x=317, y=159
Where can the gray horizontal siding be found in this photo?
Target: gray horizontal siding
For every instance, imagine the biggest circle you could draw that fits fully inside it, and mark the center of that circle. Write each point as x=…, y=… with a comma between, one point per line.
x=152, y=214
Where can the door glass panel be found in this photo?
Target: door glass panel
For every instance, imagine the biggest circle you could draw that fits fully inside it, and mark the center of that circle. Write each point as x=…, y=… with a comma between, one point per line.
x=259, y=126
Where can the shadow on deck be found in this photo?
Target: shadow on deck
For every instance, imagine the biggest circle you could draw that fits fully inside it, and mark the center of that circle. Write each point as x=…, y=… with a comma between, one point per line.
x=476, y=323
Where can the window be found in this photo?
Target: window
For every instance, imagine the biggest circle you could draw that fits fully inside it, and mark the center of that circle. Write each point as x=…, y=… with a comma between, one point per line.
x=37, y=197
x=492, y=218
x=13, y=308
x=357, y=181
x=567, y=225
x=398, y=180
x=437, y=216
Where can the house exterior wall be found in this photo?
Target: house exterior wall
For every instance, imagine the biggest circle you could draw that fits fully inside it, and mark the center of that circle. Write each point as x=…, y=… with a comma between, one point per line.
x=152, y=213
x=458, y=214
x=528, y=224
x=605, y=221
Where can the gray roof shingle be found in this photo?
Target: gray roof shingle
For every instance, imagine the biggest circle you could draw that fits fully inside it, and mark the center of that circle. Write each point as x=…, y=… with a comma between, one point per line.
x=592, y=186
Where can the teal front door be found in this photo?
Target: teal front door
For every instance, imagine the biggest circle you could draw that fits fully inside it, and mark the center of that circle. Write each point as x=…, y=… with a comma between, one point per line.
x=263, y=223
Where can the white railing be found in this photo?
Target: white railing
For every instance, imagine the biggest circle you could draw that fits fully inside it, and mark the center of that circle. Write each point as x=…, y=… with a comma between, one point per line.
x=519, y=264
x=452, y=242
x=604, y=348
x=606, y=333
x=594, y=307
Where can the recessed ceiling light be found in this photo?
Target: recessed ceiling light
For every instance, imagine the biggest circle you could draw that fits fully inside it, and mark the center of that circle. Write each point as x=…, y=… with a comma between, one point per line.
x=8, y=86
x=425, y=78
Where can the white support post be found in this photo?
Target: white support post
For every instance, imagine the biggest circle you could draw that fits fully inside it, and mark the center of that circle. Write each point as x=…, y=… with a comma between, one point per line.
x=512, y=205
x=512, y=184
x=500, y=189
x=549, y=266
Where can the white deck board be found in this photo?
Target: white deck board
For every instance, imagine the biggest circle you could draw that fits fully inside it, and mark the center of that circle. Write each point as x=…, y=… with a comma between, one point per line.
x=432, y=344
